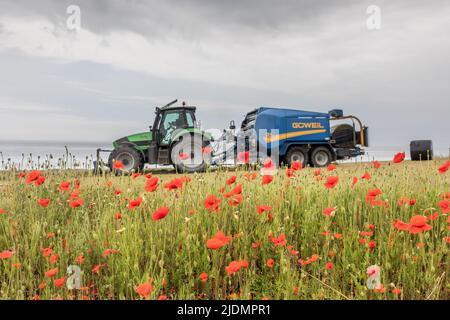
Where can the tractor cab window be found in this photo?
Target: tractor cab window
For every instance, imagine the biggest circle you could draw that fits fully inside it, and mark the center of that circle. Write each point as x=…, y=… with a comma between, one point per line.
x=171, y=121
x=190, y=120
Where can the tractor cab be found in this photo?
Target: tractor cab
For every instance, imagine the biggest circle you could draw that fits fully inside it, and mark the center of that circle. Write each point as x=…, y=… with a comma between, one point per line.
x=170, y=118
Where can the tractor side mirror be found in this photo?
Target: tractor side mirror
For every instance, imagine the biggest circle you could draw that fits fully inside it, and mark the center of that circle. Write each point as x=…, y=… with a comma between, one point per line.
x=232, y=125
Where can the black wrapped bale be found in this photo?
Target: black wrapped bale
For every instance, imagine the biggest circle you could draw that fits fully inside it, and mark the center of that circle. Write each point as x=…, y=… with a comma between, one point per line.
x=421, y=150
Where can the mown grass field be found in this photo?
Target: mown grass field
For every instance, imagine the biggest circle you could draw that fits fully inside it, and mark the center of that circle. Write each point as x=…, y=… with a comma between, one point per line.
x=293, y=250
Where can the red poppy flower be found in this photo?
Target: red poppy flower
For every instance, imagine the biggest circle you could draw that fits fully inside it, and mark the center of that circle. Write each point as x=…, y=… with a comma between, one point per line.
x=279, y=241
x=445, y=206
x=235, y=266
x=6, y=254
x=317, y=172
x=329, y=211
x=366, y=233
x=118, y=165
x=2, y=211
x=40, y=180
x=444, y=168
x=268, y=163
x=400, y=225
x=372, y=194
x=54, y=258
x=79, y=259
x=366, y=176
x=266, y=179
x=331, y=167
x=109, y=252
x=46, y=252
x=135, y=175
x=203, y=277
x=161, y=213
x=433, y=216
x=117, y=191
x=162, y=297
x=59, y=282
x=217, y=241
x=376, y=164
x=32, y=176
x=51, y=273
x=212, y=203
x=235, y=200
x=355, y=181
x=332, y=181
x=372, y=245
x=396, y=291
x=151, y=184
x=76, y=203
x=144, y=289
x=380, y=288
x=329, y=266
x=74, y=194
x=96, y=269
x=174, y=184
x=310, y=260
x=237, y=189
x=262, y=209
x=399, y=157
x=297, y=165
x=118, y=216
x=244, y=157
x=183, y=156
x=231, y=180
x=418, y=224
x=44, y=202
x=134, y=203
x=270, y=263
x=64, y=186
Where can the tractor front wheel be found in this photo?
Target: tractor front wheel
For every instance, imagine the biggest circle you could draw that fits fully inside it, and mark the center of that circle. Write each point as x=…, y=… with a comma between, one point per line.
x=130, y=158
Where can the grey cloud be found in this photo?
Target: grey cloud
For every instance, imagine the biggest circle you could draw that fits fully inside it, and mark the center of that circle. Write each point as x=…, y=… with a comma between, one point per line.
x=396, y=79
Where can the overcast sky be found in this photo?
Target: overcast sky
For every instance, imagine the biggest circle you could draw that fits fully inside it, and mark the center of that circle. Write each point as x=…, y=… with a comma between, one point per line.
x=226, y=57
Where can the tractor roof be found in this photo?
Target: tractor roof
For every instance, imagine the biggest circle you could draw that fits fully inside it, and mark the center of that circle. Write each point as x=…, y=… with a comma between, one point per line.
x=178, y=108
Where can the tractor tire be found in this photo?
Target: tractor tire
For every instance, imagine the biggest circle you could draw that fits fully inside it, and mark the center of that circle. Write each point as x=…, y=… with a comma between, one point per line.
x=129, y=156
x=297, y=153
x=321, y=157
x=187, y=155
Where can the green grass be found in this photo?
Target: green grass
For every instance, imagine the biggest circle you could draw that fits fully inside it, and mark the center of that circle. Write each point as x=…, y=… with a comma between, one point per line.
x=171, y=253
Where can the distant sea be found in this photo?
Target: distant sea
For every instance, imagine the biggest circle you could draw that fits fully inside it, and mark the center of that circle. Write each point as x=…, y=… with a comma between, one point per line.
x=27, y=154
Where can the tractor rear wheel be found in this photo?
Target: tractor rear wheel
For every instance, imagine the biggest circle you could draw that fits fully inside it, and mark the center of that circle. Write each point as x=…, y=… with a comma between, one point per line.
x=130, y=158
x=321, y=157
x=187, y=155
x=297, y=153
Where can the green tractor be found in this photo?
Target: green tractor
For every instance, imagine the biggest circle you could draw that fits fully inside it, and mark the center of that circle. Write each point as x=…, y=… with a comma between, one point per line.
x=174, y=139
